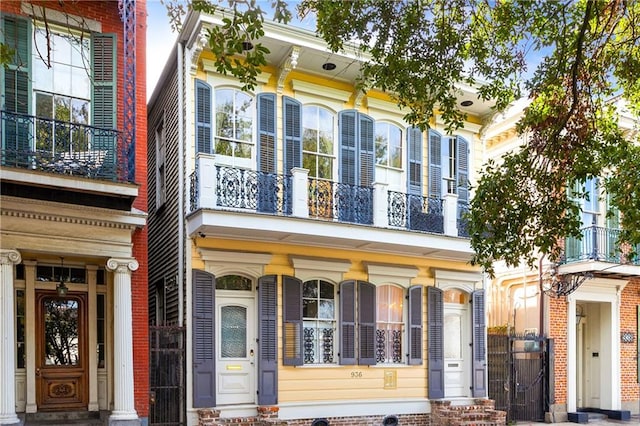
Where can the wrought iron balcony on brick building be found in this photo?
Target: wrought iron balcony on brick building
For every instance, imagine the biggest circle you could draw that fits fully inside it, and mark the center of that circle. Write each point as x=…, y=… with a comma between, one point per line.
x=65, y=148
x=216, y=186
x=599, y=244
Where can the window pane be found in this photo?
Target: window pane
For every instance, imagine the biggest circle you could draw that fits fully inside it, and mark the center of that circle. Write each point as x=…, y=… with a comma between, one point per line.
x=81, y=83
x=61, y=339
x=309, y=308
x=326, y=309
x=233, y=282
x=310, y=289
x=326, y=142
x=309, y=162
x=233, y=332
x=326, y=290
x=309, y=140
x=324, y=167
x=453, y=336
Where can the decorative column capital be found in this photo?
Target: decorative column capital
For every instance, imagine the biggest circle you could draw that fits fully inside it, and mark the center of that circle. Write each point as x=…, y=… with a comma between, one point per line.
x=9, y=257
x=122, y=265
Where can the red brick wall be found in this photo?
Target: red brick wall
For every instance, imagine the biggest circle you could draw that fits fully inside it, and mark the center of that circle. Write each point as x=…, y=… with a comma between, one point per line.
x=107, y=13
x=628, y=351
x=558, y=332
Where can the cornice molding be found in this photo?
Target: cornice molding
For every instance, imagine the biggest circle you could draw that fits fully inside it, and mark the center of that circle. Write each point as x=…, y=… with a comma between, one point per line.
x=289, y=63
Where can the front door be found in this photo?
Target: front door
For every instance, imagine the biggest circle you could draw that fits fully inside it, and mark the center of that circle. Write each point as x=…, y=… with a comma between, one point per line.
x=61, y=351
x=456, y=344
x=235, y=348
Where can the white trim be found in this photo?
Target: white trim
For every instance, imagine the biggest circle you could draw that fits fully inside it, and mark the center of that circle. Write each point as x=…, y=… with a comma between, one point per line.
x=380, y=274
x=315, y=92
x=221, y=263
x=457, y=279
x=307, y=269
x=208, y=65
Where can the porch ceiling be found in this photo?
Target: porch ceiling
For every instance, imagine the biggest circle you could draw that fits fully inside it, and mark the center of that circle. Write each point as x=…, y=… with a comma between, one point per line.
x=312, y=232
x=600, y=269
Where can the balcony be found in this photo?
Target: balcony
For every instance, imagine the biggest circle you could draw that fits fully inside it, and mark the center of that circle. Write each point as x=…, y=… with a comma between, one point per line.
x=63, y=148
x=222, y=188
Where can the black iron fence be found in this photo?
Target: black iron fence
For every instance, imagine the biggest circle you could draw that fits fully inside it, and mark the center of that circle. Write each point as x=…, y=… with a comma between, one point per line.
x=595, y=243
x=167, y=376
x=346, y=203
x=415, y=212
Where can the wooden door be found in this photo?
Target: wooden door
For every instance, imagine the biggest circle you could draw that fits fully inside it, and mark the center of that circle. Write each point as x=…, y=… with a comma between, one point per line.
x=61, y=351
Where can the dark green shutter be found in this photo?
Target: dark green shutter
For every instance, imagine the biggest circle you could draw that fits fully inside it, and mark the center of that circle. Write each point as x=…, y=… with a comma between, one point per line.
x=414, y=161
x=16, y=90
x=347, y=325
x=415, y=325
x=348, y=133
x=204, y=368
x=435, y=167
x=292, y=134
x=479, y=347
x=103, y=98
x=366, y=323
x=267, y=340
x=366, y=136
x=435, y=338
x=203, y=117
x=463, y=170
x=292, y=321
x=266, y=153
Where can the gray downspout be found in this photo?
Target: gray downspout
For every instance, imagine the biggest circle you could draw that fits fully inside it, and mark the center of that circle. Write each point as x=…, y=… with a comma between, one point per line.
x=181, y=192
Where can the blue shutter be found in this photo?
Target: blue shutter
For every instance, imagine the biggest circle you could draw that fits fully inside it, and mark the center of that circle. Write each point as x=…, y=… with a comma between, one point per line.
x=462, y=173
x=104, y=96
x=415, y=325
x=204, y=369
x=435, y=167
x=203, y=117
x=266, y=153
x=268, y=340
x=292, y=321
x=435, y=315
x=414, y=161
x=16, y=90
x=366, y=323
x=292, y=126
x=348, y=133
x=366, y=136
x=479, y=389
x=347, y=325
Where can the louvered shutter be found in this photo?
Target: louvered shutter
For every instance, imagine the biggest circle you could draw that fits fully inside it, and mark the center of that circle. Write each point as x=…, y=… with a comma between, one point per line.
x=16, y=137
x=415, y=325
x=414, y=160
x=366, y=137
x=366, y=323
x=613, y=223
x=292, y=321
x=347, y=324
x=292, y=134
x=267, y=340
x=348, y=133
x=435, y=167
x=267, y=182
x=204, y=383
x=463, y=170
x=104, y=96
x=435, y=315
x=479, y=347
x=203, y=117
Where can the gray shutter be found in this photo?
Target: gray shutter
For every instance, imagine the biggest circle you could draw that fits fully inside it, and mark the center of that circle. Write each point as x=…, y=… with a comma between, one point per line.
x=414, y=160
x=203, y=117
x=435, y=168
x=366, y=323
x=479, y=389
x=292, y=134
x=463, y=170
x=204, y=368
x=267, y=340
x=367, y=153
x=347, y=326
x=348, y=133
x=415, y=325
x=292, y=321
x=104, y=97
x=16, y=90
x=266, y=153
x=435, y=337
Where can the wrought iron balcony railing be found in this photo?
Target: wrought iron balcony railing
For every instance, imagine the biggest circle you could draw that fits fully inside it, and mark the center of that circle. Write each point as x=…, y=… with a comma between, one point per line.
x=597, y=243
x=61, y=147
x=216, y=186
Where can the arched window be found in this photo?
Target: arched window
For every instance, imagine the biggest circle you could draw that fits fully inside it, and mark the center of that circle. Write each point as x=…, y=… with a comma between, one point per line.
x=234, y=115
x=318, y=141
x=388, y=145
x=319, y=316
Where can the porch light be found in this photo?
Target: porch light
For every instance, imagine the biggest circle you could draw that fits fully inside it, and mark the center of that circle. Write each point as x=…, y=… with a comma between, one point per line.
x=61, y=288
x=579, y=314
x=328, y=66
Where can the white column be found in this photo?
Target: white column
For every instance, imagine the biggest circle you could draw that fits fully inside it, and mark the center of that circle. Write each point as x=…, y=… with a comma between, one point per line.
x=7, y=333
x=450, y=212
x=300, y=207
x=123, y=397
x=380, y=204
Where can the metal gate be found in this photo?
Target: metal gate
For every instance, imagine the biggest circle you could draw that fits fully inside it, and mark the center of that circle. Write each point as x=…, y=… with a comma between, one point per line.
x=167, y=378
x=518, y=375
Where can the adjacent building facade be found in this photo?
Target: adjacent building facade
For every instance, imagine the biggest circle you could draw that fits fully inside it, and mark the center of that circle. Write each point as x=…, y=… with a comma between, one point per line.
x=73, y=239
x=309, y=239
x=588, y=304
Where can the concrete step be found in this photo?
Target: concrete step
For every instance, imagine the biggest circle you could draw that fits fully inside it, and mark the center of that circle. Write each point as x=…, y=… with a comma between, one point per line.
x=65, y=418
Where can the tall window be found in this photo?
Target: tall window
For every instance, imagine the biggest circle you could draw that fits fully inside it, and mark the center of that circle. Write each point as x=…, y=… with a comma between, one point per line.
x=318, y=312
x=388, y=145
x=389, y=325
x=61, y=88
x=234, y=123
x=317, y=142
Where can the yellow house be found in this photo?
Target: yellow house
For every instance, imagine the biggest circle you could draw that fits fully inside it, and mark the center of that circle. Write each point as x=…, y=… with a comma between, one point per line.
x=311, y=242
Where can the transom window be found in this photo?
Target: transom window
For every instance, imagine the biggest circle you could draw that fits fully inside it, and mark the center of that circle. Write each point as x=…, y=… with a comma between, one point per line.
x=388, y=145
x=390, y=321
x=319, y=313
x=234, y=282
x=317, y=142
x=234, y=123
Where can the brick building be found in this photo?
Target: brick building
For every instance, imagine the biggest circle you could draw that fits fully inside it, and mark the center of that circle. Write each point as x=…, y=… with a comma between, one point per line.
x=74, y=336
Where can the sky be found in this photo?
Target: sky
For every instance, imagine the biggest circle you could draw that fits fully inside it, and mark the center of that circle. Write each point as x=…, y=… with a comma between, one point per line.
x=160, y=41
